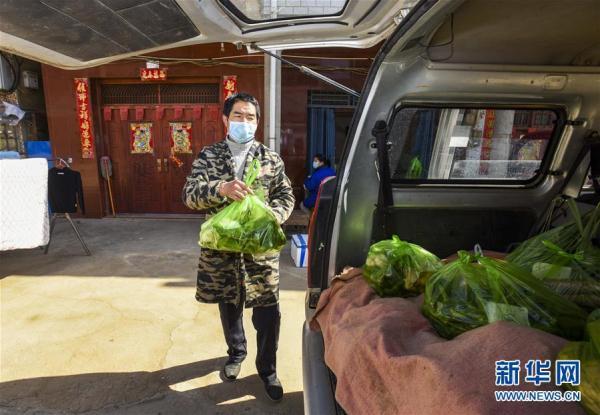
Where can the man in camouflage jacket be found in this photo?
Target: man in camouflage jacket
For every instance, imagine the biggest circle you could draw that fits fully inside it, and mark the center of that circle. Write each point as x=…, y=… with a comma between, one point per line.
x=235, y=281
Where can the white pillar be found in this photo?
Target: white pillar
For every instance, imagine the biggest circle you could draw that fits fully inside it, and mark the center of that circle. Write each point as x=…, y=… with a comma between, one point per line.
x=272, y=104
x=503, y=125
x=274, y=9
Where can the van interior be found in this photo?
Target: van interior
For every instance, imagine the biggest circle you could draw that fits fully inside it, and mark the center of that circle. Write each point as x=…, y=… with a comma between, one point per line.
x=476, y=119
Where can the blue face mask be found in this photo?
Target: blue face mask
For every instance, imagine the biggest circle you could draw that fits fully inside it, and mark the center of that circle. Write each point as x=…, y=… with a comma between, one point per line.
x=316, y=165
x=241, y=132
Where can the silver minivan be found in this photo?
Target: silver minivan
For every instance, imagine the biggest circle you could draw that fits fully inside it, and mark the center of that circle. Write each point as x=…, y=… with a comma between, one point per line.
x=475, y=117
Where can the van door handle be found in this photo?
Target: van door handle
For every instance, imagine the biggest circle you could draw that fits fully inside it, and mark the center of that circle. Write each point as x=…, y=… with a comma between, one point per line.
x=159, y=165
x=166, y=164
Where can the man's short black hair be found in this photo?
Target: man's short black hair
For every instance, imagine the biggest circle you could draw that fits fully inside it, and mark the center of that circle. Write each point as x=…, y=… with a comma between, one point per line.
x=240, y=96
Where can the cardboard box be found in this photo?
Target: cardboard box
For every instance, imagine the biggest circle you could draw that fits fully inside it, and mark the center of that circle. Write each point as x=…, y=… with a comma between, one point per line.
x=300, y=250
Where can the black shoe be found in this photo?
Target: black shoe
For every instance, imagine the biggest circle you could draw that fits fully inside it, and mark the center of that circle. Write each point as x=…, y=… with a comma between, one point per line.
x=274, y=389
x=231, y=370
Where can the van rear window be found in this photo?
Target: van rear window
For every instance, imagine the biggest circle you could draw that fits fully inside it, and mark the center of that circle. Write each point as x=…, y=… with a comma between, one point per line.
x=469, y=144
x=269, y=10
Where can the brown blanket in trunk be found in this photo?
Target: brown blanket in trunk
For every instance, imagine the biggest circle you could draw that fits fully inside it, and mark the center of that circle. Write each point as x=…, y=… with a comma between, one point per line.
x=388, y=359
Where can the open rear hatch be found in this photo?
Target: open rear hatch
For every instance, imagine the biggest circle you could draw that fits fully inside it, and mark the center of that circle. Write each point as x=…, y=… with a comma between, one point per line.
x=75, y=34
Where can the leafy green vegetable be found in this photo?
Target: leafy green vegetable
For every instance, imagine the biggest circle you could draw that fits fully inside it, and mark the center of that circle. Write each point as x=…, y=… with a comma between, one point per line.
x=397, y=268
x=416, y=169
x=248, y=226
x=588, y=353
x=471, y=291
x=565, y=258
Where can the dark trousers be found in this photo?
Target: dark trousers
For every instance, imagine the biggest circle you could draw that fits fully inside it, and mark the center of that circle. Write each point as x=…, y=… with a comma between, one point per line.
x=266, y=321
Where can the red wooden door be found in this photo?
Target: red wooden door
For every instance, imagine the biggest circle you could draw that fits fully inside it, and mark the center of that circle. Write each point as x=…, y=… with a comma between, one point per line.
x=205, y=130
x=152, y=182
x=137, y=177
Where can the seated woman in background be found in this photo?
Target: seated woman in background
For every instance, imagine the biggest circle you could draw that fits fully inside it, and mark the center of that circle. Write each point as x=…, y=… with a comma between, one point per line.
x=322, y=170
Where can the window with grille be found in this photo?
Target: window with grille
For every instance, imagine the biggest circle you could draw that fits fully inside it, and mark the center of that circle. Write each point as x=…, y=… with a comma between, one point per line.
x=115, y=94
x=189, y=93
x=331, y=99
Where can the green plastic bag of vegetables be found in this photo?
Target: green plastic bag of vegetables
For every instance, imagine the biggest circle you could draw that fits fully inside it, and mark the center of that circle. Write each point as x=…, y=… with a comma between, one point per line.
x=475, y=290
x=588, y=353
x=566, y=259
x=247, y=226
x=397, y=268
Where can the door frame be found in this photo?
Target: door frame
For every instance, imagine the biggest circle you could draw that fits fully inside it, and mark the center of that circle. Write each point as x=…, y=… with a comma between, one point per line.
x=160, y=127
x=103, y=147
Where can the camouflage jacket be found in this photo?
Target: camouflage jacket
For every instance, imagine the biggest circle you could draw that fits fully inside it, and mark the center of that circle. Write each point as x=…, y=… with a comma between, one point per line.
x=221, y=275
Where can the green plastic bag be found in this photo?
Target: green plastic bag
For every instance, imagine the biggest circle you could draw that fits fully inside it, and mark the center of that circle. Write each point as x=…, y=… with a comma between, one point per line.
x=396, y=268
x=566, y=259
x=247, y=226
x=416, y=169
x=476, y=290
x=588, y=353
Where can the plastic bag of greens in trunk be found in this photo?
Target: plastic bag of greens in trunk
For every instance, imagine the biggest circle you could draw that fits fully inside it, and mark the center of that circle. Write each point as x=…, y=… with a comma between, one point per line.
x=588, y=353
x=248, y=226
x=476, y=290
x=566, y=259
x=396, y=268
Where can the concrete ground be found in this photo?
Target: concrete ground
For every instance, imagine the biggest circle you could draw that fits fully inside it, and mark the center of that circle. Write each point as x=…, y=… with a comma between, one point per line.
x=120, y=331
